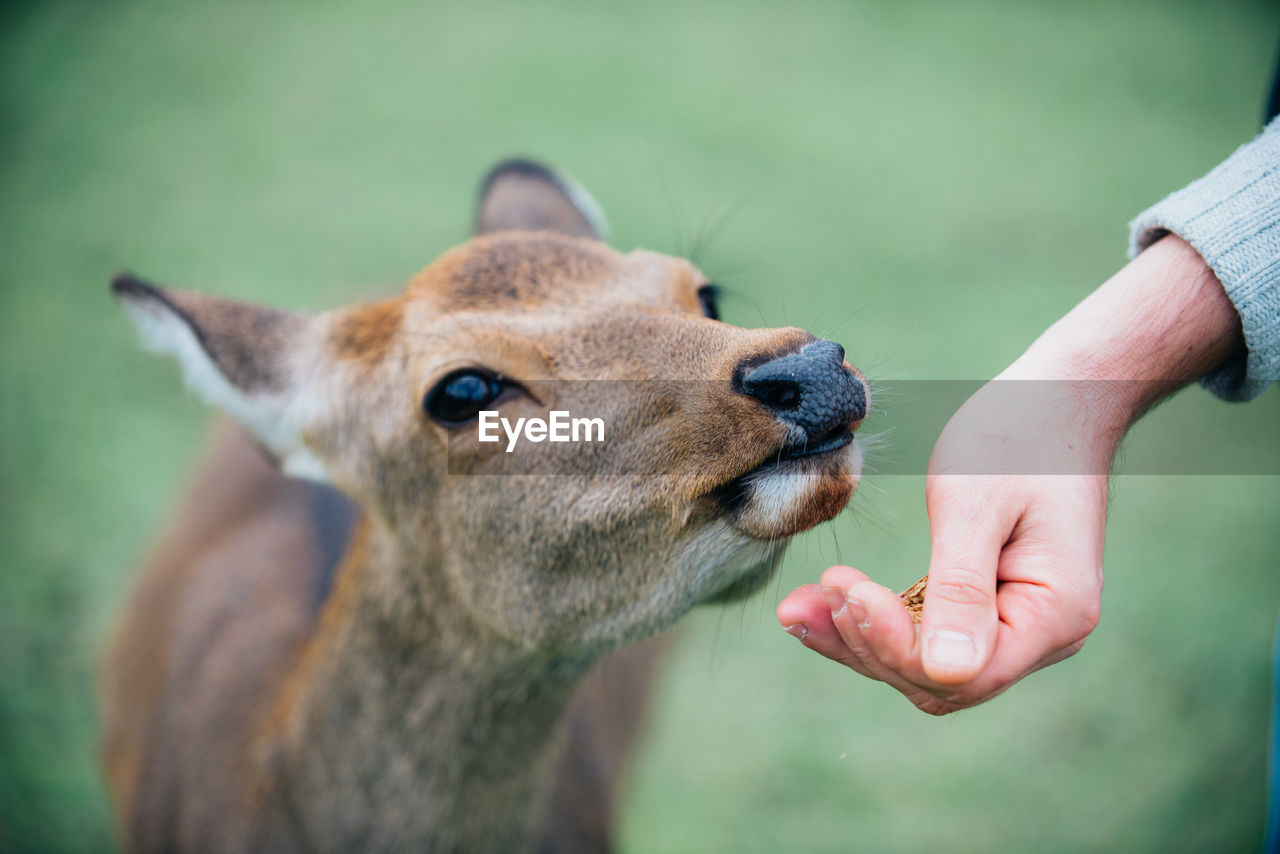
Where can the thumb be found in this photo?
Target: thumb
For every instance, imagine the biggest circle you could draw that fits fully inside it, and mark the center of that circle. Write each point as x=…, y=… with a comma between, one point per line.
x=958, y=629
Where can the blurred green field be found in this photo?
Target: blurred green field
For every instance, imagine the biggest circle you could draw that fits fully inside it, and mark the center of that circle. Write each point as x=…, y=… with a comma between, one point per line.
x=930, y=184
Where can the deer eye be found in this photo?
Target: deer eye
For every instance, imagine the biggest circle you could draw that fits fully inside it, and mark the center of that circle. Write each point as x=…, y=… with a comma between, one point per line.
x=707, y=295
x=461, y=395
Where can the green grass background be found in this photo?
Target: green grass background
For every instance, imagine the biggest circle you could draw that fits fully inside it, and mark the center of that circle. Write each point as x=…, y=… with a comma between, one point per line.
x=929, y=183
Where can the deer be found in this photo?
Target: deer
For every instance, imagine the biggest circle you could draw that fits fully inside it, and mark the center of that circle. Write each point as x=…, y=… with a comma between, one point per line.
x=365, y=630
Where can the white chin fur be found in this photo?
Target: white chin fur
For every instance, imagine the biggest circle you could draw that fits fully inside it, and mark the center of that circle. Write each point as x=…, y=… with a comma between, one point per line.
x=781, y=493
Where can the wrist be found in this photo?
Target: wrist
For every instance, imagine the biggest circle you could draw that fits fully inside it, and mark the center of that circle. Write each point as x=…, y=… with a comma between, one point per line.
x=1161, y=322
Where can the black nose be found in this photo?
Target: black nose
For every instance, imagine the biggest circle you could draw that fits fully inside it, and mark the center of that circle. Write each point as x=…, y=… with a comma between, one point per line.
x=810, y=389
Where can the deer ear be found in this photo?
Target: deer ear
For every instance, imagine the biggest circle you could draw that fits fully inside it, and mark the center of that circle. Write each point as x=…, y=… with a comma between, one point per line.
x=521, y=194
x=239, y=357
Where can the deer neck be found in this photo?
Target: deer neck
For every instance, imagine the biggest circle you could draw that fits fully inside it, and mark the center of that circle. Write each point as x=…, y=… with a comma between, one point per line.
x=404, y=707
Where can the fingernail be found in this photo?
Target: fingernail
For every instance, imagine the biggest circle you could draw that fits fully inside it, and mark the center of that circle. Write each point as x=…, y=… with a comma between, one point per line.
x=859, y=612
x=797, y=630
x=835, y=600
x=951, y=649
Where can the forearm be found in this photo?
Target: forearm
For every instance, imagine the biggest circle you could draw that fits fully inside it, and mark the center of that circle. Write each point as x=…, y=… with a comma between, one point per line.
x=1231, y=217
x=1159, y=323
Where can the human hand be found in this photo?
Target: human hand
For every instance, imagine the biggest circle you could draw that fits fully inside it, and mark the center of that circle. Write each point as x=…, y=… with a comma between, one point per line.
x=1015, y=576
x=1016, y=493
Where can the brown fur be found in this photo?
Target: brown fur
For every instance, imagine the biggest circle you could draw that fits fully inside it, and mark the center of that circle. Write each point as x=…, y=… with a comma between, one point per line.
x=463, y=683
x=366, y=334
x=522, y=273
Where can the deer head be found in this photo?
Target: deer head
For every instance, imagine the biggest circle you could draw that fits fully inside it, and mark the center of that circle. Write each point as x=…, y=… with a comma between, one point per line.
x=720, y=443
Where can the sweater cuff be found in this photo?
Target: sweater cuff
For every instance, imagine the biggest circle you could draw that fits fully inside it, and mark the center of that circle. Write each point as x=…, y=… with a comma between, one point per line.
x=1232, y=218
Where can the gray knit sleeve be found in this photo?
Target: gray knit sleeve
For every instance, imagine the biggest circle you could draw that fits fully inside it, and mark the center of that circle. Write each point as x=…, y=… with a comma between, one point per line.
x=1232, y=218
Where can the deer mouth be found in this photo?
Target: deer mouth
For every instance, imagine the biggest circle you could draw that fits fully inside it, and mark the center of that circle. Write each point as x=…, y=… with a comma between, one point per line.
x=833, y=440
x=796, y=487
